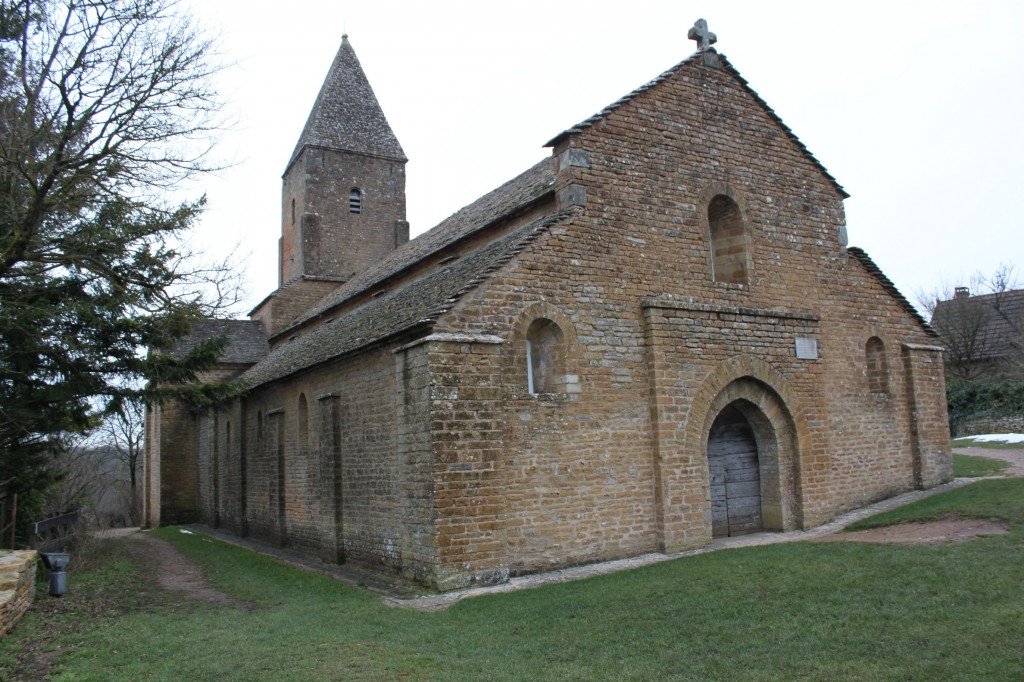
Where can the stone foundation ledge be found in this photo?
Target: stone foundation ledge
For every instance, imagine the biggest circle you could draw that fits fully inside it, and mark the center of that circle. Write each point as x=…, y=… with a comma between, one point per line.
x=17, y=586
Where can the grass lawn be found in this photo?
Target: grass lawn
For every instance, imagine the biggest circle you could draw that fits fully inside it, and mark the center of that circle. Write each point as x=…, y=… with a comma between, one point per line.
x=797, y=611
x=972, y=466
x=998, y=499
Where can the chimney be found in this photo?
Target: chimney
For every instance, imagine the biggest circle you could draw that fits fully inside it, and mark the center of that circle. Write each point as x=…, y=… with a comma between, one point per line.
x=961, y=292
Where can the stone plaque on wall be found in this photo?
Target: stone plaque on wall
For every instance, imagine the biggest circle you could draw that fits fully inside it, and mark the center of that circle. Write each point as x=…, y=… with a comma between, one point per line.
x=806, y=349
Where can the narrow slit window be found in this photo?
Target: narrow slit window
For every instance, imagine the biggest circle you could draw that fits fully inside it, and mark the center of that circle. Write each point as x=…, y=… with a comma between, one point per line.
x=878, y=366
x=355, y=200
x=545, y=357
x=303, y=421
x=728, y=241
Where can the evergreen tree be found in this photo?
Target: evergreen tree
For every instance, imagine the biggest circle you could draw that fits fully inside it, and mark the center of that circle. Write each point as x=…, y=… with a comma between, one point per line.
x=104, y=104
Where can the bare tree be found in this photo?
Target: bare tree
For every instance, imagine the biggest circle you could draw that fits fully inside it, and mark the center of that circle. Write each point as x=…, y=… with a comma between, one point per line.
x=123, y=434
x=978, y=325
x=81, y=476
x=92, y=478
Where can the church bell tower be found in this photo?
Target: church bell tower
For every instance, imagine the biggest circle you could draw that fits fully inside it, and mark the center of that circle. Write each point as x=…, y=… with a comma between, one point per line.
x=344, y=186
x=343, y=196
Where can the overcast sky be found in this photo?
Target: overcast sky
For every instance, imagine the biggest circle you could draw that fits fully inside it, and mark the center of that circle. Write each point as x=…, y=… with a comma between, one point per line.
x=916, y=108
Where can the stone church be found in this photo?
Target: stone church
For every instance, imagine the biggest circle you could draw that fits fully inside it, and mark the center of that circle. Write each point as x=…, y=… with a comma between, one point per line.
x=654, y=337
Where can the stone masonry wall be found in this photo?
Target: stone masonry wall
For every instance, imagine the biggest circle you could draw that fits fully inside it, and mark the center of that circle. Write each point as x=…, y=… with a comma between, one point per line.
x=986, y=425
x=222, y=484
x=179, y=465
x=320, y=236
x=872, y=435
x=696, y=353
x=17, y=586
x=466, y=426
x=151, y=467
x=323, y=464
x=929, y=417
x=417, y=464
x=286, y=304
x=214, y=436
x=579, y=479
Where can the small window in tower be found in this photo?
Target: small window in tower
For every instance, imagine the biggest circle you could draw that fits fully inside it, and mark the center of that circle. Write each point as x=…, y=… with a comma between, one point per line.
x=293, y=210
x=355, y=200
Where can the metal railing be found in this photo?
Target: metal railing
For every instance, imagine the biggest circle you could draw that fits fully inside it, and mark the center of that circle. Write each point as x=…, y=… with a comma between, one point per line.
x=54, y=534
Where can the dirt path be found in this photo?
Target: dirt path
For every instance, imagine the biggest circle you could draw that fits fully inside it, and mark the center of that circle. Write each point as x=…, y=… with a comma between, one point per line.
x=949, y=530
x=174, y=571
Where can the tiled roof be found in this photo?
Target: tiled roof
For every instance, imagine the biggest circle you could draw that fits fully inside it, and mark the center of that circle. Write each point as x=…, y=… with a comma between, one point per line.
x=417, y=304
x=869, y=265
x=995, y=322
x=346, y=115
x=505, y=200
x=247, y=342
x=697, y=58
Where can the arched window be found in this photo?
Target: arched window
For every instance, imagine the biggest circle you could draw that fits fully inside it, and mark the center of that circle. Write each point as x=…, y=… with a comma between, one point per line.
x=545, y=357
x=728, y=241
x=355, y=200
x=303, y=419
x=878, y=366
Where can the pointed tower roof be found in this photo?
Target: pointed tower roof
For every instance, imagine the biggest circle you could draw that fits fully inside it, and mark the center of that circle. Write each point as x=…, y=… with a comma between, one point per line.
x=346, y=115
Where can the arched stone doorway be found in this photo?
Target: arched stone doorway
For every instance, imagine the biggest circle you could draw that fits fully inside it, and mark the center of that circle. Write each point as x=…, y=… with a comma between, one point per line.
x=750, y=432
x=762, y=396
x=734, y=474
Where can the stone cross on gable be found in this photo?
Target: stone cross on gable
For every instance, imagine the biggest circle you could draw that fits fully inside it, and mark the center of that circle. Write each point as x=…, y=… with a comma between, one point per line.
x=702, y=35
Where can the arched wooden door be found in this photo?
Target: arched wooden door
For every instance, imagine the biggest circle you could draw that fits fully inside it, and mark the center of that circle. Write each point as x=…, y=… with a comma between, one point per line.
x=735, y=475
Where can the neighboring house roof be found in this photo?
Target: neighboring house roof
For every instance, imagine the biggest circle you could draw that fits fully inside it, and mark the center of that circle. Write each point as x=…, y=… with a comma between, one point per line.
x=701, y=55
x=504, y=201
x=869, y=265
x=995, y=322
x=346, y=115
x=247, y=341
x=417, y=304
